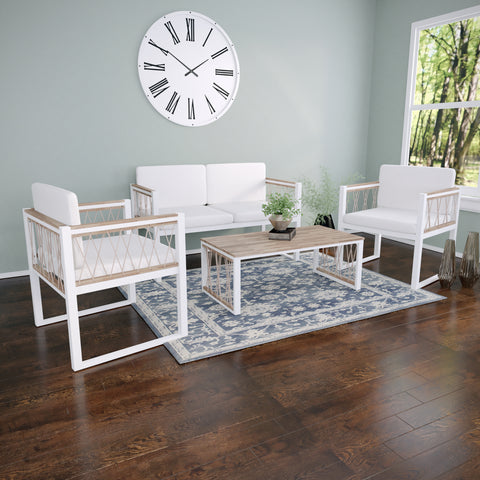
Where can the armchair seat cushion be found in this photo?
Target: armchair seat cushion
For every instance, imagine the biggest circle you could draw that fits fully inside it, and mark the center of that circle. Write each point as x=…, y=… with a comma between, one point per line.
x=383, y=219
x=242, y=212
x=197, y=216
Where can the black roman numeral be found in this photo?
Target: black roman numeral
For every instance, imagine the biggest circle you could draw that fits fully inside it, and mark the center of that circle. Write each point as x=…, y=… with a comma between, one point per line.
x=220, y=52
x=226, y=73
x=160, y=67
x=190, y=29
x=172, y=32
x=221, y=90
x=210, y=106
x=207, y=37
x=172, y=104
x=159, y=87
x=191, y=109
x=153, y=44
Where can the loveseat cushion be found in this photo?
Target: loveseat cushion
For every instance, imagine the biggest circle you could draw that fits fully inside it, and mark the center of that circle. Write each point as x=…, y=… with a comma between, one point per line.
x=200, y=215
x=401, y=184
x=243, y=212
x=235, y=182
x=383, y=219
x=175, y=185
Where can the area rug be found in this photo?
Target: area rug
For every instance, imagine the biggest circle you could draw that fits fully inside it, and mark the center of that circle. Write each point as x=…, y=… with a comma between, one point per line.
x=280, y=298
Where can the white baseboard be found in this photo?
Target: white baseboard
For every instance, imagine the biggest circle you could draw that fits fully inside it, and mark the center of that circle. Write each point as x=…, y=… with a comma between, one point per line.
x=20, y=273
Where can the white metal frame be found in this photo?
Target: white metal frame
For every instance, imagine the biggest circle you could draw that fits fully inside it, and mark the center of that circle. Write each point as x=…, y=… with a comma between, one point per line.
x=445, y=202
x=235, y=306
x=63, y=279
x=471, y=195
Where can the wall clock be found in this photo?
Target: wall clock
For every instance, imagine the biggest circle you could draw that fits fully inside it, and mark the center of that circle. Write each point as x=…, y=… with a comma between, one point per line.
x=188, y=68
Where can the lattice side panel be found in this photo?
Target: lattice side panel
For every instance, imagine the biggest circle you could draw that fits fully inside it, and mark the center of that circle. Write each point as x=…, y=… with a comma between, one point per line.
x=46, y=253
x=358, y=200
x=104, y=214
x=339, y=262
x=441, y=211
x=121, y=252
x=142, y=204
x=219, y=282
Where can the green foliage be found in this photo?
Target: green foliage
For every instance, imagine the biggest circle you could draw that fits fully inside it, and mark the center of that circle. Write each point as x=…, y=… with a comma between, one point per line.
x=322, y=198
x=280, y=204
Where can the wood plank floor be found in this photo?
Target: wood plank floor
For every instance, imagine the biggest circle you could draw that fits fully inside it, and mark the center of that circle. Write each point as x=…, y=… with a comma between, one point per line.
x=393, y=397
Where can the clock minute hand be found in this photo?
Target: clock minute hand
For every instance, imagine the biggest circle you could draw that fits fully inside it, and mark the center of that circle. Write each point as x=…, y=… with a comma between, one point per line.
x=178, y=60
x=193, y=69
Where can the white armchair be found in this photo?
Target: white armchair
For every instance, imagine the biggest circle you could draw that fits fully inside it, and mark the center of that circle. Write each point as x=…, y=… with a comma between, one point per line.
x=407, y=202
x=75, y=258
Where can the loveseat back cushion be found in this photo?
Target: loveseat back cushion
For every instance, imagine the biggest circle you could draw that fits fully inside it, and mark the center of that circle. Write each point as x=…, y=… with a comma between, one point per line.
x=235, y=182
x=175, y=185
x=401, y=184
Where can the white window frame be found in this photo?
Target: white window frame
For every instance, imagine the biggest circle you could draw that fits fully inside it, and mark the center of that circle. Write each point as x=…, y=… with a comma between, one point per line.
x=470, y=199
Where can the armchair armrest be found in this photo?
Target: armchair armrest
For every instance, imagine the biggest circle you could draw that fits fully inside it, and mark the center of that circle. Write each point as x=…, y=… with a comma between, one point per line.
x=439, y=209
x=357, y=197
x=94, y=212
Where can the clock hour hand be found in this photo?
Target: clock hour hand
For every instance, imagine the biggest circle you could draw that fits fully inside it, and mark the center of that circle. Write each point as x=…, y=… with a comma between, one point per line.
x=193, y=69
x=178, y=60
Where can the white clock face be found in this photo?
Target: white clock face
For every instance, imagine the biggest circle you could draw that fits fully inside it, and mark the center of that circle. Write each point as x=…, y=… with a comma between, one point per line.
x=188, y=68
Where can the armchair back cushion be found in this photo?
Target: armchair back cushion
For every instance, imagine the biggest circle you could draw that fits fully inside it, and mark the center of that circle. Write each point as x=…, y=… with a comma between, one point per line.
x=400, y=185
x=57, y=203
x=175, y=185
x=235, y=182
x=61, y=205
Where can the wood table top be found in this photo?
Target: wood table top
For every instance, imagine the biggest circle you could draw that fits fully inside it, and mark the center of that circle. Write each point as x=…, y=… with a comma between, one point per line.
x=258, y=243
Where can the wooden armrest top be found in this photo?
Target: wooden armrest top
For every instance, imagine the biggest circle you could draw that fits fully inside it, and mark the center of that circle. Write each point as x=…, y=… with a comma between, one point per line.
x=365, y=185
x=446, y=191
x=44, y=218
x=141, y=187
x=287, y=183
x=118, y=224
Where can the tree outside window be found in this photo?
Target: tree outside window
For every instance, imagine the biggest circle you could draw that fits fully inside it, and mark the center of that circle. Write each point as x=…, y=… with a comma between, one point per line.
x=442, y=122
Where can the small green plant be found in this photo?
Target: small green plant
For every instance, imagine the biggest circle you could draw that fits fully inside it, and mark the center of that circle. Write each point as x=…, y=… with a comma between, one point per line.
x=280, y=204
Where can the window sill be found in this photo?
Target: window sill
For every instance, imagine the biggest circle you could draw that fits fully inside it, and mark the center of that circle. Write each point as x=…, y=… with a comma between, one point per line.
x=470, y=204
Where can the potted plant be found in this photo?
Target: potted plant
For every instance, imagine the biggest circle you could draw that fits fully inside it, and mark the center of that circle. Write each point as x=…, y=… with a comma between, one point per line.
x=321, y=199
x=280, y=209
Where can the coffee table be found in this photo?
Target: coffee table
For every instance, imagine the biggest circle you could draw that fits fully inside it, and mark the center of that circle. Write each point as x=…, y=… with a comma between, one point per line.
x=336, y=255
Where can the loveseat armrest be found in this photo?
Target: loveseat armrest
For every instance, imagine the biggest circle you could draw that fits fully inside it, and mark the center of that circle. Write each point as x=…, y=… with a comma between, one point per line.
x=439, y=209
x=357, y=197
x=142, y=199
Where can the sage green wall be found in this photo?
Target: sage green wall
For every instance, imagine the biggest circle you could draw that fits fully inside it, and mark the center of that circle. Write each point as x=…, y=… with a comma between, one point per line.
x=74, y=115
x=389, y=82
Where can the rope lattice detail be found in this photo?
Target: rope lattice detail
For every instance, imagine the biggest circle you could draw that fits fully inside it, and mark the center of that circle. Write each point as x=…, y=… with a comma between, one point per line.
x=339, y=262
x=46, y=253
x=440, y=212
x=142, y=204
x=219, y=277
x=362, y=199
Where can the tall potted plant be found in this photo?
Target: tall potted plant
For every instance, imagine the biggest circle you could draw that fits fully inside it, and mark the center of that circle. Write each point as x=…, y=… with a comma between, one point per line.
x=321, y=199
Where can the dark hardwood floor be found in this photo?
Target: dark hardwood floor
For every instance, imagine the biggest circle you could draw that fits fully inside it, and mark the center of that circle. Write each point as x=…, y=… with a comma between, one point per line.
x=392, y=397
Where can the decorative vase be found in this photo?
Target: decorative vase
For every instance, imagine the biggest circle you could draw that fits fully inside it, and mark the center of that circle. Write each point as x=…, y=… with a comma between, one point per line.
x=280, y=223
x=446, y=272
x=324, y=221
x=469, y=268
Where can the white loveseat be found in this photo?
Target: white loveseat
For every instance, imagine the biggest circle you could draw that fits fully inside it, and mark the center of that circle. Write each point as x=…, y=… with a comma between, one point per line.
x=408, y=202
x=212, y=197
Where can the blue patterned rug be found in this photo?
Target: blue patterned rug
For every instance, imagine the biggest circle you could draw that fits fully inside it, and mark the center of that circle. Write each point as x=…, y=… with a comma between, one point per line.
x=280, y=298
